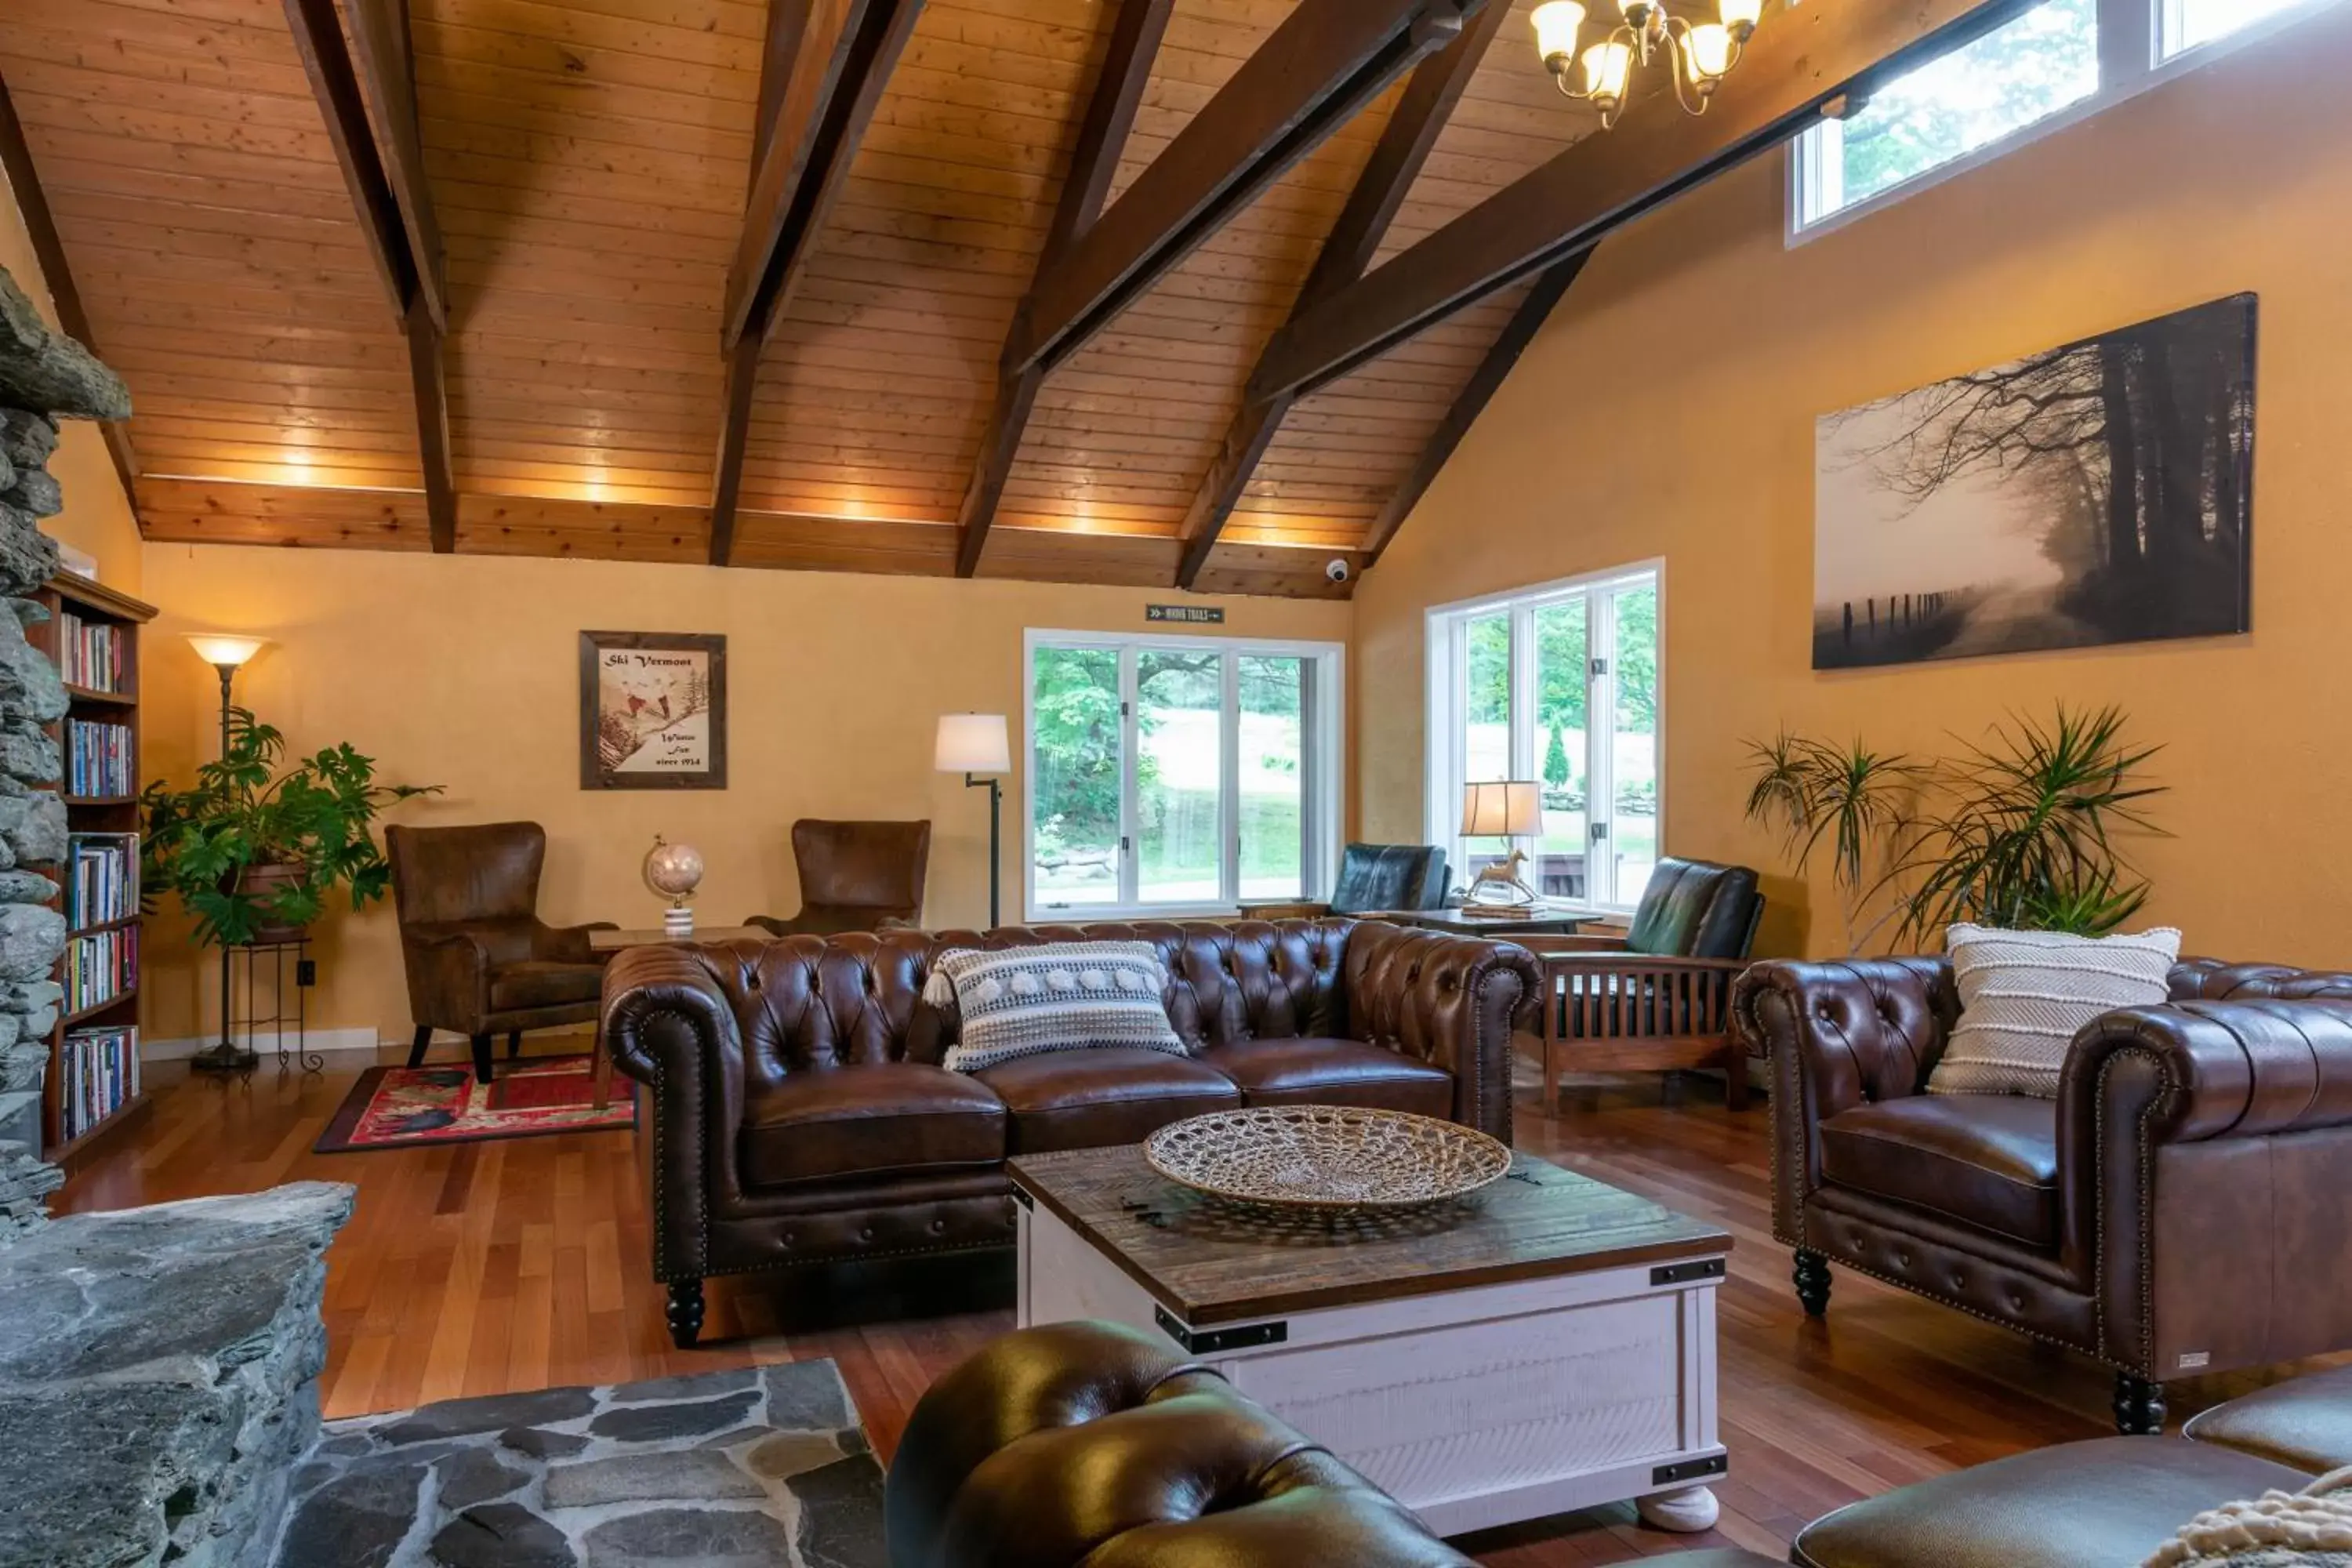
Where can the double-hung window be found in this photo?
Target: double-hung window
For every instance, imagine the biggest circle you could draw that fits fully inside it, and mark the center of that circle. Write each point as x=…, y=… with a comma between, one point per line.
x=2047, y=66
x=1557, y=684
x=1178, y=775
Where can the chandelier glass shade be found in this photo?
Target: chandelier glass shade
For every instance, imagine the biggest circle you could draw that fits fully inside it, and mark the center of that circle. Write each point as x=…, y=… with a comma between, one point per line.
x=1697, y=55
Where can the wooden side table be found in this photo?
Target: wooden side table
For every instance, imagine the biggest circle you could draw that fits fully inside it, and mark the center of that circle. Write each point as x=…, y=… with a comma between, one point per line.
x=611, y=941
x=1541, y=921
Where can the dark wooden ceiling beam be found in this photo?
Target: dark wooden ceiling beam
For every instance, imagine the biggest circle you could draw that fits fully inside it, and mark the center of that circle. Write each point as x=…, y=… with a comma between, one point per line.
x=1320, y=68
x=1133, y=44
x=1471, y=401
x=49, y=250
x=395, y=208
x=1802, y=60
x=823, y=68
x=1428, y=101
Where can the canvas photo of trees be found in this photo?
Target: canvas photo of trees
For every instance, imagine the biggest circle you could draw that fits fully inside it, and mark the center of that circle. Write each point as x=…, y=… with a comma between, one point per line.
x=2100, y=493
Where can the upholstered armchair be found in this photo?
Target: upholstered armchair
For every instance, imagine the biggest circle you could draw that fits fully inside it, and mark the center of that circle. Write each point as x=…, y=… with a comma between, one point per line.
x=2179, y=1209
x=1374, y=878
x=1659, y=996
x=480, y=962
x=856, y=876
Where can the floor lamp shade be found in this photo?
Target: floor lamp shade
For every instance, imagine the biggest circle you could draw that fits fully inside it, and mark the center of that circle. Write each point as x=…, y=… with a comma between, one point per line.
x=224, y=650
x=1512, y=809
x=973, y=743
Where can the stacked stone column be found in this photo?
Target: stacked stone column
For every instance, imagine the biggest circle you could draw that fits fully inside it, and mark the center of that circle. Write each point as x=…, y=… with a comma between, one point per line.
x=45, y=376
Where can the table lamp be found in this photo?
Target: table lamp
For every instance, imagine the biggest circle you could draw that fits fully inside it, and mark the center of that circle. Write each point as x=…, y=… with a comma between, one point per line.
x=972, y=744
x=1511, y=809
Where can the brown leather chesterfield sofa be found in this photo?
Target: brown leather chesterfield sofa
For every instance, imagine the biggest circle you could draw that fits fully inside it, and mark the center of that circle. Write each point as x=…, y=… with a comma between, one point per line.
x=800, y=1115
x=2180, y=1208
x=1093, y=1443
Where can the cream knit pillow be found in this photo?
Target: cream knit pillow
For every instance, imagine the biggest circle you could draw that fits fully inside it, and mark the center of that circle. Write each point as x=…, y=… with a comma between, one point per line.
x=2025, y=994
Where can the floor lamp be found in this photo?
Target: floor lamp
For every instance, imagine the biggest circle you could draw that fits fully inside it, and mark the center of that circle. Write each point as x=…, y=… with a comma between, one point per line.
x=226, y=654
x=971, y=744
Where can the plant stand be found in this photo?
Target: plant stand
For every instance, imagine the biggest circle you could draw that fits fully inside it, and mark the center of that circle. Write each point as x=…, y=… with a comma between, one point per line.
x=291, y=973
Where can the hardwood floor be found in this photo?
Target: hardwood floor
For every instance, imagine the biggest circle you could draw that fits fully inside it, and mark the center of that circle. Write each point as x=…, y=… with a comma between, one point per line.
x=521, y=1264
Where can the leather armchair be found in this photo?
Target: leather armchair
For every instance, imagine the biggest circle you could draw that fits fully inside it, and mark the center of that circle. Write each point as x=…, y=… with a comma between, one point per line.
x=856, y=876
x=1091, y=1443
x=2178, y=1209
x=479, y=961
x=800, y=1115
x=1658, y=996
x=1374, y=878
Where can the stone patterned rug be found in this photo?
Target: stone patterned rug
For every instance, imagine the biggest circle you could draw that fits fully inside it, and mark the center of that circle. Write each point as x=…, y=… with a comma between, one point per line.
x=766, y=1468
x=398, y=1107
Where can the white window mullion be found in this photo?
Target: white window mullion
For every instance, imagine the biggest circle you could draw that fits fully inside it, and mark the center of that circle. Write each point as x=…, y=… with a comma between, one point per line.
x=1229, y=778
x=1130, y=734
x=1526, y=757
x=1600, y=750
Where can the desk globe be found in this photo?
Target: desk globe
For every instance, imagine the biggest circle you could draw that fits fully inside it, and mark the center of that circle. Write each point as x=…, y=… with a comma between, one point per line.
x=674, y=871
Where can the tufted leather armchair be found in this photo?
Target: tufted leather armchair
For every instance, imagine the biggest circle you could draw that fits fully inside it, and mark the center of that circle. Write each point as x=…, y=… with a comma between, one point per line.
x=801, y=1115
x=2179, y=1209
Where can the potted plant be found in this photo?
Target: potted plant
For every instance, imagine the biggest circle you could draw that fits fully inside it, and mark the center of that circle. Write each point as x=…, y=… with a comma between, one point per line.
x=2018, y=832
x=254, y=853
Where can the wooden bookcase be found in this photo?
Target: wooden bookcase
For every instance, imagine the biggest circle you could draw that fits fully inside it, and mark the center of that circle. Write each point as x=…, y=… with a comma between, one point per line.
x=96, y=605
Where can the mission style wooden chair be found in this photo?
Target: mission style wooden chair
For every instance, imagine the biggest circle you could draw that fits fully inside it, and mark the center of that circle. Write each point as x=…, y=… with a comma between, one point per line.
x=1658, y=997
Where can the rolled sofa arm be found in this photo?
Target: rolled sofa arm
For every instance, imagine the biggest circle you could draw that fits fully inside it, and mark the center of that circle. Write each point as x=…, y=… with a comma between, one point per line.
x=668, y=1024
x=2188, y=1071
x=1453, y=1001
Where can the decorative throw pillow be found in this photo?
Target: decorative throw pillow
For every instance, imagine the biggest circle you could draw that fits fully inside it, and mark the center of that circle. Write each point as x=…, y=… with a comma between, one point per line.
x=1062, y=997
x=2025, y=994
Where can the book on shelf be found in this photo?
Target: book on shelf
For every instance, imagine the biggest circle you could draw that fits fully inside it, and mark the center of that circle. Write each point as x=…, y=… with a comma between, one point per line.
x=102, y=878
x=98, y=1076
x=99, y=758
x=91, y=653
x=99, y=966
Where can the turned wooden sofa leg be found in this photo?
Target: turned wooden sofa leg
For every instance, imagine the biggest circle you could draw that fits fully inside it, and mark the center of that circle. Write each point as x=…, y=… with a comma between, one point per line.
x=685, y=1312
x=1813, y=1277
x=2140, y=1405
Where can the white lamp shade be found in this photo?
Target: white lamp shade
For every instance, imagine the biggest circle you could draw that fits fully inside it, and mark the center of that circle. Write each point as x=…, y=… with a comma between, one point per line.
x=1556, y=23
x=973, y=743
x=1741, y=14
x=1607, y=65
x=1708, y=52
x=1511, y=809
x=223, y=648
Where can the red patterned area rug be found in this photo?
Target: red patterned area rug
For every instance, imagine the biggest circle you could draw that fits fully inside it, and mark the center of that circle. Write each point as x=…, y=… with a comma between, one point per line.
x=402, y=1107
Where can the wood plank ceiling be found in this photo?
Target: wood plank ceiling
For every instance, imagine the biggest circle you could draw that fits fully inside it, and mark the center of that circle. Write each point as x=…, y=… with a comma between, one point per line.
x=587, y=163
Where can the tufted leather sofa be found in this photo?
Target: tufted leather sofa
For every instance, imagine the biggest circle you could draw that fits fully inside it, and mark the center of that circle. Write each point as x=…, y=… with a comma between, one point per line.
x=801, y=1115
x=2179, y=1209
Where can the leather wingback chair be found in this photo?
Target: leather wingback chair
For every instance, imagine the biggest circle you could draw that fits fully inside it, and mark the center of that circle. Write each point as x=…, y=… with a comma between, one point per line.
x=1660, y=996
x=2179, y=1209
x=479, y=960
x=856, y=876
x=1372, y=877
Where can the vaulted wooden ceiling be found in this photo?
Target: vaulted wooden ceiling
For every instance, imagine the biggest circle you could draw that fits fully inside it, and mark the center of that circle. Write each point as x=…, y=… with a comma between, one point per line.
x=559, y=276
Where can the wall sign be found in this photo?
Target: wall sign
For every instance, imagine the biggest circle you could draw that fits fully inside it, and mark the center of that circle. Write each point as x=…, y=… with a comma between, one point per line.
x=1192, y=615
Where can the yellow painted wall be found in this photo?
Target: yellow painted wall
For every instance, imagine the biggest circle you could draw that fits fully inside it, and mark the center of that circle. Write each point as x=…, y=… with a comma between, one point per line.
x=464, y=671
x=1667, y=409
x=97, y=516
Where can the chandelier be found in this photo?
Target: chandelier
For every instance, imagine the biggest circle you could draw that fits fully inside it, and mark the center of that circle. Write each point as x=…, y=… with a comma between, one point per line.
x=1697, y=56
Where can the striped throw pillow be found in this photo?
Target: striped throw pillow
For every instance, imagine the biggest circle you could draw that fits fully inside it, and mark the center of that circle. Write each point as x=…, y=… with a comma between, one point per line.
x=1062, y=996
x=2024, y=994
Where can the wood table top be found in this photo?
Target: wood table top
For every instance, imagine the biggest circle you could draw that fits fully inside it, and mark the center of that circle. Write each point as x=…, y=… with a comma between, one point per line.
x=614, y=940
x=1210, y=1263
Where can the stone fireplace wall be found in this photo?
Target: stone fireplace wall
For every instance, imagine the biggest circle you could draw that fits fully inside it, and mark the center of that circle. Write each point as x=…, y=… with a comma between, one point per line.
x=43, y=377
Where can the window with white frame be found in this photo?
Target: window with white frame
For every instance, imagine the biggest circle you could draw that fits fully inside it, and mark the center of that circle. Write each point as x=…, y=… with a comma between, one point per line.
x=2049, y=66
x=1173, y=774
x=1558, y=684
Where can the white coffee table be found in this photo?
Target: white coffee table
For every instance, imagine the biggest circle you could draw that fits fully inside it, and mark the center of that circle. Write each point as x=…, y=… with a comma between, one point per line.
x=1548, y=1346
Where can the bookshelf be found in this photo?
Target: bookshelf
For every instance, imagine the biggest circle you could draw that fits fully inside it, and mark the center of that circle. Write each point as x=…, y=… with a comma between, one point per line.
x=94, y=1088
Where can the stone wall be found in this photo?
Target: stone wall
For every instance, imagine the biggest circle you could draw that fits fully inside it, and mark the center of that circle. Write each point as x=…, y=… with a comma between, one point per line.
x=43, y=377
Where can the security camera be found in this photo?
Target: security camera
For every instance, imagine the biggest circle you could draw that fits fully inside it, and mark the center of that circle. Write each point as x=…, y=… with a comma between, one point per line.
x=1337, y=569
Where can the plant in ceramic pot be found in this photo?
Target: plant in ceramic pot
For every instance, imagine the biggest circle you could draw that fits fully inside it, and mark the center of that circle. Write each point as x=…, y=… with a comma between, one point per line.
x=2021, y=831
x=254, y=852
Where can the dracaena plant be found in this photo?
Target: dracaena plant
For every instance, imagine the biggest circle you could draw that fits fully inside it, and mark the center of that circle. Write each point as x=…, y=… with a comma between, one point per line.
x=313, y=818
x=1848, y=800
